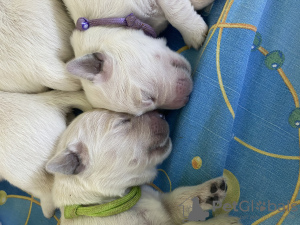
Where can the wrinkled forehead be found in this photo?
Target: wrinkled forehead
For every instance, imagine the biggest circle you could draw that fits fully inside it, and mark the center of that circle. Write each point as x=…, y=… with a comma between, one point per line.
x=98, y=120
x=104, y=116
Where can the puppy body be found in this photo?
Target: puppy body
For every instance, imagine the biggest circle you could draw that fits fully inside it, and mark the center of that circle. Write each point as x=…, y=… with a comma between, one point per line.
x=130, y=62
x=159, y=209
x=181, y=14
x=102, y=154
x=120, y=69
x=97, y=159
x=30, y=127
x=35, y=45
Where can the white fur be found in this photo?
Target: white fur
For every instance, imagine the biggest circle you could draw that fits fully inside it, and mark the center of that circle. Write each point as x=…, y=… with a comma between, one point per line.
x=95, y=159
x=30, y=127
x=34, y=37
x=180, y=13
x=134, y=64
x=134, y=73
x=113, y=153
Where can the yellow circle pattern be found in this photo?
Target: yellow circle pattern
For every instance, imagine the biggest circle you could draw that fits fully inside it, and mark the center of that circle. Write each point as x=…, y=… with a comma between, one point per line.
x=3, y=197
x=196, y=162
x=233, y=191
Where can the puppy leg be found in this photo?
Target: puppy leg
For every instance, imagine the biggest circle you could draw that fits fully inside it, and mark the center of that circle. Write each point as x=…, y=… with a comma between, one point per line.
x=67, y=100
x=57, y=77
x=200, y=4
x=219, y=220
x=182, y=198
x=182, y=15
x=47, y=205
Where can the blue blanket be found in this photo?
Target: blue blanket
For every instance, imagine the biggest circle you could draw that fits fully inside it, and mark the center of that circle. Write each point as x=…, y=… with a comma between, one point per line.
x=243, y=117
x=242, y=120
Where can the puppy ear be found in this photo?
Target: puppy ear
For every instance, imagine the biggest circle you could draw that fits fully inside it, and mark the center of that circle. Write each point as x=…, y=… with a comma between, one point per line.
x=92, y=67
x=71, y=161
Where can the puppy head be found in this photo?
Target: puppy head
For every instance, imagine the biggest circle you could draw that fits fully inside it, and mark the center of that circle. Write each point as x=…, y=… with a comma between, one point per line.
x=107, y=152
x=130, y=72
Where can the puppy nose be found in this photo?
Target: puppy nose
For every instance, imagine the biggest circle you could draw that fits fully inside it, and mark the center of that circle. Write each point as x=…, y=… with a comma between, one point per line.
x=183, y=87
x=157, y=123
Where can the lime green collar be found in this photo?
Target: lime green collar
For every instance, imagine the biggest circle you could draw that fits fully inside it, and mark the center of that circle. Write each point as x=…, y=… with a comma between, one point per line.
x=107, y=209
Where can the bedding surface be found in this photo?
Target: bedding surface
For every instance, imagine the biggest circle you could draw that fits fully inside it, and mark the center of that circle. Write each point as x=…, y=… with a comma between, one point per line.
x=242, y=120
x=243, y=117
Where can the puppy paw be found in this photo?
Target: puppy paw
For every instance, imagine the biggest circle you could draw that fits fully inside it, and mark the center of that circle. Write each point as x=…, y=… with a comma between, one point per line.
x=212, y=191
x=47, y=208
x=196, y=36
x=224, y=220
x=230, y=221
x=233, y=220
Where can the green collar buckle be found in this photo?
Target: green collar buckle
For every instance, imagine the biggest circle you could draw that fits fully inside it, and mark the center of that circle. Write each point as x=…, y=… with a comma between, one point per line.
x=107, y=209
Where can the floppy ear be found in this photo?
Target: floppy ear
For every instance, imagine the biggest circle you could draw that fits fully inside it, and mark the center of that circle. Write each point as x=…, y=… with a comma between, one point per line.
x=71, y=161
x=93, y=67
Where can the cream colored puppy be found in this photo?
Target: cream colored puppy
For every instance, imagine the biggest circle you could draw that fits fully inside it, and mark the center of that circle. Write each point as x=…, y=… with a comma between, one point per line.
x=120, y=69
x=30, y=127
x=102, y=154
x=34, y=37
x=142, y=71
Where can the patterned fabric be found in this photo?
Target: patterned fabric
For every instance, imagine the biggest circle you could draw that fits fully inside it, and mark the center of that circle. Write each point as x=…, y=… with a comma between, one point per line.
x=243, y=118
x=19, y=208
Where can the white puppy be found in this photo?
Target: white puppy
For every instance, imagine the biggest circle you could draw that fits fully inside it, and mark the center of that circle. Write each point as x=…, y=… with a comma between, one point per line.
x=30, y=127
x=121, y=69
x=98, y=158
x=102, y=154
x=34, y=37
x=128, y=61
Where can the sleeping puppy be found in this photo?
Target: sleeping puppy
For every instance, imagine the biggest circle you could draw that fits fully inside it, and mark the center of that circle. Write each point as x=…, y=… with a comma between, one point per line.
x=129, y=62
x=102, y=154
x=34, y=37
x=120, y=69
x=30, y=127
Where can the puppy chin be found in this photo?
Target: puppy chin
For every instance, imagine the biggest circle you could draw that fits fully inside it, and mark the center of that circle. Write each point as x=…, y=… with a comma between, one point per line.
x=162, y=150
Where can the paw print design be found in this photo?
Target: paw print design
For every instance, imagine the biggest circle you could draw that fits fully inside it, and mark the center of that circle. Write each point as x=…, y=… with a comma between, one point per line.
x=261, y=206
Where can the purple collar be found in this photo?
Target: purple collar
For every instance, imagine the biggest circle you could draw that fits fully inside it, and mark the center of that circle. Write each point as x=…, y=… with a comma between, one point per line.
x=129, y=21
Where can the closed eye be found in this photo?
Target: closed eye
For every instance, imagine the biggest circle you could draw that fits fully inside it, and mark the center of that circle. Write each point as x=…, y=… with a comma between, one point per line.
x=125, y=121
x=147, y=97
x=122, y=122
x=153, y=99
